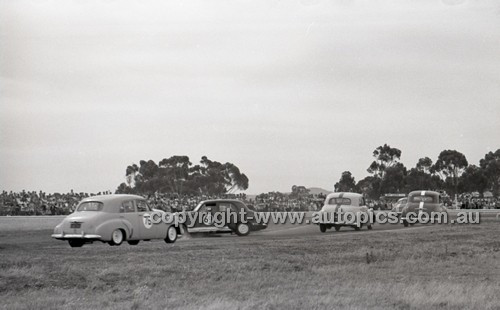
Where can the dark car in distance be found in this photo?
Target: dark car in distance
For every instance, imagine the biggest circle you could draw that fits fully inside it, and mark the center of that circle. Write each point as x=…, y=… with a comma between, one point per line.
x=208, y=214
x=420, y=201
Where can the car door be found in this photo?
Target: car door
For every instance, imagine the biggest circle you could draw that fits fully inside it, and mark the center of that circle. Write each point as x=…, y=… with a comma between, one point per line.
x=130, y=219
x=145, y=224
x=205, y=218
x=231, y=214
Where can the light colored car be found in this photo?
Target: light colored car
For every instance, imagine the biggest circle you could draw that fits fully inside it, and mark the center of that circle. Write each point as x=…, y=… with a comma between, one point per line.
x=113, y=219
x=343, y=202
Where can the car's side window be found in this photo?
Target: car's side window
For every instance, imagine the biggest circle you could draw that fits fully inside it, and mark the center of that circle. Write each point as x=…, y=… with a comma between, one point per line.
x=127, y=207
x=211, y=207
x=224, y=206
x=142, y=206
x=203, y=208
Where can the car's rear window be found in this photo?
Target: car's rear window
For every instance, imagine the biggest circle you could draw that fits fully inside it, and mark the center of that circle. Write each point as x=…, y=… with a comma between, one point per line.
x=421, y=198
x=339, y=201
x=90, y=206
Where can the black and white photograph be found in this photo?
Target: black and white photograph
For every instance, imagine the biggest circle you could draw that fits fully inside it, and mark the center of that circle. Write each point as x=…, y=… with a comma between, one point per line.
x=265, y=154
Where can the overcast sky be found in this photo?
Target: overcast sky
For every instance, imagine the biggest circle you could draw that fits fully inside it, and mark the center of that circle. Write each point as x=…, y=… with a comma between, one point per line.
x=292, y=92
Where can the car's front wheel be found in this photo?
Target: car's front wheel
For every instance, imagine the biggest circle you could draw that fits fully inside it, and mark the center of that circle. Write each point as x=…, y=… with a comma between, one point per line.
x=76, y=243
x=242, y=229
x=322, y=228
x=171, y=235
x=116, y=237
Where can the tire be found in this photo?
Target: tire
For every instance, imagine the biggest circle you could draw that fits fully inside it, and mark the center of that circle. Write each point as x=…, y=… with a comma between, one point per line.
x=117, y=237
x=370, y=227
x=76, y=243
x=337, y=227
x=133, y=242
x=357, y=228
x=322, y=228
x=242, y=229
x=171, y=234
x=405, y=223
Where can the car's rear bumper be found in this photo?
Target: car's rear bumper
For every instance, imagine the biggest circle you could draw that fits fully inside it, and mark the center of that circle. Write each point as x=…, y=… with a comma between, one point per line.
x=76, y=236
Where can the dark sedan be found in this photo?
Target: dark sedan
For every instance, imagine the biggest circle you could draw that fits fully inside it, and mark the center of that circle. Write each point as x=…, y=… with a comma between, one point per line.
x=428, y=202
x=222, y=216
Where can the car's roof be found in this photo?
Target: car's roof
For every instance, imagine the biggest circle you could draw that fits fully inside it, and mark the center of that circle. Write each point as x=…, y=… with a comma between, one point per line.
x=113, y=197
x=344, y=195
x=423, y=193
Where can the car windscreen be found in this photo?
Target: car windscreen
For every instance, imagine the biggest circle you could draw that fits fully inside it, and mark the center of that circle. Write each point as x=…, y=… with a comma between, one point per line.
x=421, y=198
x=339, y=201
x=90, y=206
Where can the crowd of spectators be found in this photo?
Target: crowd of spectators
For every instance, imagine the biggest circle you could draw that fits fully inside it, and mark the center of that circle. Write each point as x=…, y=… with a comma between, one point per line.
x=41, y=203
x=478, y=203
x=280, y=202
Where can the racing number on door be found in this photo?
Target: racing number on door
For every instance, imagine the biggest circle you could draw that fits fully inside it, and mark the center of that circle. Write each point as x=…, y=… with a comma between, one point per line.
x=146, y=219
x=207, y=219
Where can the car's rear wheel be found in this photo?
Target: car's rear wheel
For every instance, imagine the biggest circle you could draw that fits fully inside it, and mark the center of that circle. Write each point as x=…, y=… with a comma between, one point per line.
x=76, y=243
x=242, y=229
x=171, y=234
x=337, y=227
x=116, y=237
x=322, y=228
x=133, y=242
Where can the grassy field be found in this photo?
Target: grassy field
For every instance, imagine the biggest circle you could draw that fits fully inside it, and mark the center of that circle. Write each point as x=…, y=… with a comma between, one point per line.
x=445, y=267
x=25, y=223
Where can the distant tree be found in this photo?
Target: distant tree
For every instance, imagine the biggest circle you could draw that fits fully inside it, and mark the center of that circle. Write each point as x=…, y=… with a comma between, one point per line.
x=221, y=178
x=385, y=157
x=449, y=166
x=346, y=183
x=394, y=179
x=421, y=177
x=177, y=175
x=123, y=188
x=474, y=179
x=299, y=191
x=370, y=186
x=130, y=174
x=424, y=165
x=491, y=167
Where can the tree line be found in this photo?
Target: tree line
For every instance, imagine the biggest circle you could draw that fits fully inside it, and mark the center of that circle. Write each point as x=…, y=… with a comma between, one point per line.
x=177, y=175
x=451, y=172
